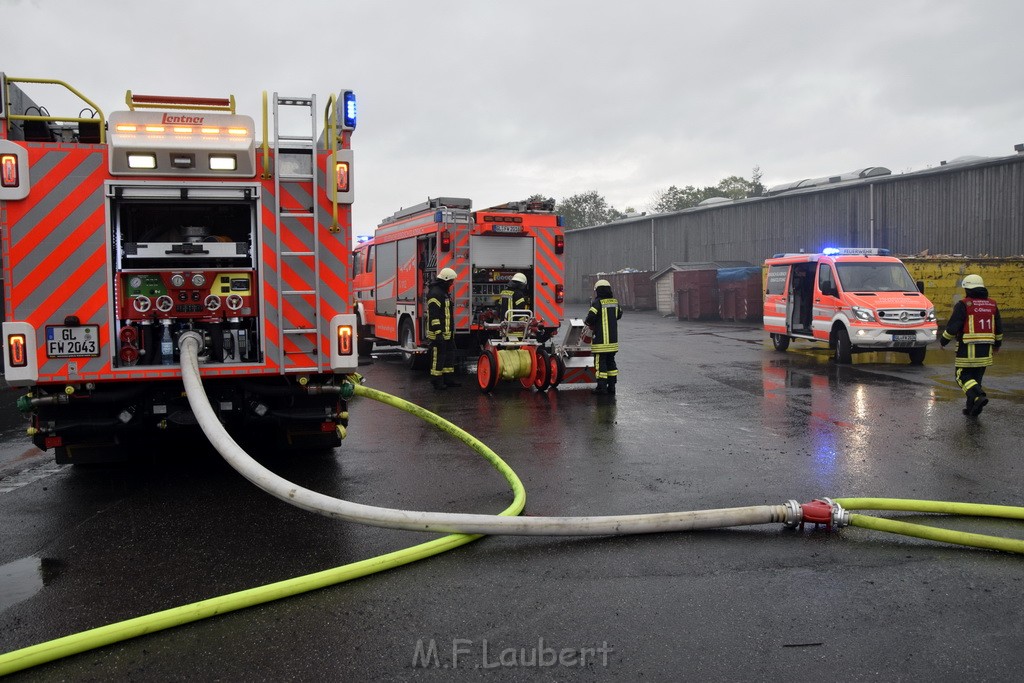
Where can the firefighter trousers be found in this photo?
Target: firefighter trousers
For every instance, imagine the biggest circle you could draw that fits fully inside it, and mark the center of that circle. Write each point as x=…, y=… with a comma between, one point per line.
x=969, y=380
x=604, y=366
x=442, y=356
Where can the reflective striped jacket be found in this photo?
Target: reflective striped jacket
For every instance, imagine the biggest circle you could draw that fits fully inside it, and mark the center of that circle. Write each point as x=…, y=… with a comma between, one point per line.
x=603, y=319
x=977, y=328
x=439, y=313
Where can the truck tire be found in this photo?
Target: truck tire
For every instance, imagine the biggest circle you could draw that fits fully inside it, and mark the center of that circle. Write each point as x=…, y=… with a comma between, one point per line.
x=780, y=342
x=843, y=349
x=364, y=345
x=917, y=355
x=407, y=340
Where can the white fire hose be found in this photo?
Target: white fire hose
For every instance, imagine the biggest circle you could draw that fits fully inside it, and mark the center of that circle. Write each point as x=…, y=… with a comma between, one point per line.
x=191, y=343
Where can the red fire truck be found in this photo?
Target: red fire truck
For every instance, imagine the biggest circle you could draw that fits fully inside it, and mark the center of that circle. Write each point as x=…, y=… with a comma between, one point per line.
x=485, y=248
x=121, y=233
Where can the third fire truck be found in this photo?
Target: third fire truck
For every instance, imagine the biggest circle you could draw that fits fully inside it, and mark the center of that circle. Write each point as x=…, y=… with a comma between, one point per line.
x=486, y=248
x=122, y=233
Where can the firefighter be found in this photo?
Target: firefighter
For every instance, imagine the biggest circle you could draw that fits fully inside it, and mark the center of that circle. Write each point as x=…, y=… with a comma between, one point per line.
x=602, y=319
x=441, y=331
x=513, y=298
x=978, y=331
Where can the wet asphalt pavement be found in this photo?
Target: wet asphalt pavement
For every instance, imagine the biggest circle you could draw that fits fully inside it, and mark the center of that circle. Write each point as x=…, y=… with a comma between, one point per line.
x=707, y=415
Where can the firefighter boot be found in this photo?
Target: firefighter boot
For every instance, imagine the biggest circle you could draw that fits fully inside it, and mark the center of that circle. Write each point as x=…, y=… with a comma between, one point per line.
x=437, y=381
x=450, y=381
x=602, y=387
x=611, y=384
x=980, y=401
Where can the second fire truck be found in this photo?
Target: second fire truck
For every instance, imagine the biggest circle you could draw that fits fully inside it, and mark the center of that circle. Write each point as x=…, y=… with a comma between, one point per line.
x=486, y=248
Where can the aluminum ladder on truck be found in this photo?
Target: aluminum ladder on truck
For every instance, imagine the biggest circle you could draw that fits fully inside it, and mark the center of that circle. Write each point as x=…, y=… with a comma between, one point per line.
x=295, y=178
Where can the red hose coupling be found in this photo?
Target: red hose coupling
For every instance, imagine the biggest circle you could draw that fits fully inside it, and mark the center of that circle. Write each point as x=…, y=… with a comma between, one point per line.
x=819, y=511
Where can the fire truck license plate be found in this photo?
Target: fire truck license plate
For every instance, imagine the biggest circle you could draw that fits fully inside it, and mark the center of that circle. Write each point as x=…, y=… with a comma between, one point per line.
x=904, y=339
x=68, y=342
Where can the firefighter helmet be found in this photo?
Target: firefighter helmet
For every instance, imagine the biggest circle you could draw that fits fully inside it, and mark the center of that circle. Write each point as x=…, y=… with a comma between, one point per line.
x=520, y=278
x=973, y=282
x=602, y=283
x=446, y=274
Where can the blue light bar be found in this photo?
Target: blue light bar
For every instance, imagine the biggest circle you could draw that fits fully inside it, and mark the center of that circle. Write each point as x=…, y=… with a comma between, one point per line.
x=854, y=251
x=349, y=108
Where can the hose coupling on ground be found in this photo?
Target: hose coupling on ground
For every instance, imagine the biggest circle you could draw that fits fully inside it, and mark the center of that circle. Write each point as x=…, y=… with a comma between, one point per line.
x=819, y=511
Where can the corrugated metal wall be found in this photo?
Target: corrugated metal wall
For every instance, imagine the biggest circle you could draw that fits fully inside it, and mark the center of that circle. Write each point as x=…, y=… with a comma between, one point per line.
x=973, y=209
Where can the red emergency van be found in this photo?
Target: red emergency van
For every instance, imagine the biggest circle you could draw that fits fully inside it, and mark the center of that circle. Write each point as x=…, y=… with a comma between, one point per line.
x=853, y=299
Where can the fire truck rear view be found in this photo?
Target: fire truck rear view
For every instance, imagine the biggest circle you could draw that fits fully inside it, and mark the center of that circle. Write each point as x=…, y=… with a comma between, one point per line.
x=485, y=248
x=120, y=234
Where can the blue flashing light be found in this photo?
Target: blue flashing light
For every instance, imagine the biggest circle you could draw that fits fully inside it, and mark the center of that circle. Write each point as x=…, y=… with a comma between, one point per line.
x=349, y=108
x=438, y=217
x=559, y=222
x=363, y=238
x=854, y=251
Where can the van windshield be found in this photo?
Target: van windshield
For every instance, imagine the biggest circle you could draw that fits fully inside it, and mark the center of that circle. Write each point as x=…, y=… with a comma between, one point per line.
x=875, y=277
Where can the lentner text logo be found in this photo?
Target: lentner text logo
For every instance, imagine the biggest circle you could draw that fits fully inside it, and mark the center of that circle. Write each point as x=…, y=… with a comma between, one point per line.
x=182, y=119
x=483, y=654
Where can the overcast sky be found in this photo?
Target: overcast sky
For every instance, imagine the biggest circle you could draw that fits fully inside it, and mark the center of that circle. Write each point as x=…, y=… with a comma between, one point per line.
x=497, y=100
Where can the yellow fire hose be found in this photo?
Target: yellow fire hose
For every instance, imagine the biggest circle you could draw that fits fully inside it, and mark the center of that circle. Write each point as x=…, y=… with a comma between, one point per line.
x=1010, y=545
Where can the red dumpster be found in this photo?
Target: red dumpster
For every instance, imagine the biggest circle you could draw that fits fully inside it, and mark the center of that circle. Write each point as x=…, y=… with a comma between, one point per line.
x=696, y=294
x=739, y=294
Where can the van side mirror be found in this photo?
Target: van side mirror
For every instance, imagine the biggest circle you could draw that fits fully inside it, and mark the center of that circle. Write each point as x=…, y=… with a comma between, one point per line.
x=829, y=289
x=920, y=286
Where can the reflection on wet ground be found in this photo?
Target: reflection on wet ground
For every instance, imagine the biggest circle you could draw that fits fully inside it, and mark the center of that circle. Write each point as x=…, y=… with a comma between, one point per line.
x=21, y=579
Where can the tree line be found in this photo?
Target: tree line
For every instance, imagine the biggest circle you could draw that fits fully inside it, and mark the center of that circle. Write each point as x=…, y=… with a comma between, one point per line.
x=591, y=208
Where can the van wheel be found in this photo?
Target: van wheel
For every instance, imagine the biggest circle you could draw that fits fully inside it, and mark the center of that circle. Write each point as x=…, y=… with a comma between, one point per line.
x=780, y=342
x=917, y=356
x=844, y=349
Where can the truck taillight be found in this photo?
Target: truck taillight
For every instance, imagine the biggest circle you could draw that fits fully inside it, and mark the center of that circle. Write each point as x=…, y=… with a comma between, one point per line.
x=446, y=240
x=9, y=170
x=343, y=351
x=559, y=244
x=559, y=294
x=341, y=175
x=344, y=340
x=17, y=355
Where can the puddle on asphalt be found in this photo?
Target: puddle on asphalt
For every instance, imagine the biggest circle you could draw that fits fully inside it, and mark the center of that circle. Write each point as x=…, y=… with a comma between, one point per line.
x=21, y=579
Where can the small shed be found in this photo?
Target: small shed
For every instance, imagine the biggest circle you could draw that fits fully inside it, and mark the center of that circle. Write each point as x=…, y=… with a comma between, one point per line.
x=669, y=281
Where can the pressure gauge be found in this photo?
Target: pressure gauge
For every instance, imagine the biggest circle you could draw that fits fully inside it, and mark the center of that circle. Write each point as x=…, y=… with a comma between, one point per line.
x=177, y=280
x=198, y=280
x=135, y=282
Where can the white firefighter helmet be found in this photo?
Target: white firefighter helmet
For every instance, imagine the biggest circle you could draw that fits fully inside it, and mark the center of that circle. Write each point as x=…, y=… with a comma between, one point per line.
x=519, y=277
x=973, y=282
x=602, y=283
x=446, y=274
